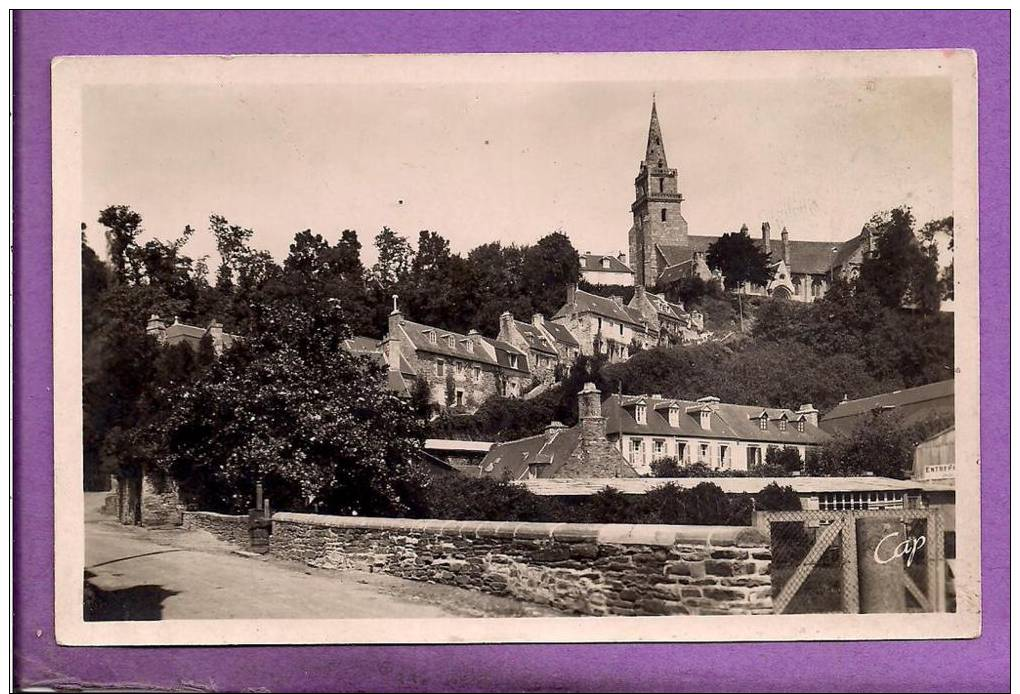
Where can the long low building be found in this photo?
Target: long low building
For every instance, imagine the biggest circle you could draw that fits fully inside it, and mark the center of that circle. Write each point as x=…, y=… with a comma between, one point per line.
x=821, y=493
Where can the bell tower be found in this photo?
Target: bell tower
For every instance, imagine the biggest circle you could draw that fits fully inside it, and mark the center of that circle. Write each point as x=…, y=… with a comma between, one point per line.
x=656, y=208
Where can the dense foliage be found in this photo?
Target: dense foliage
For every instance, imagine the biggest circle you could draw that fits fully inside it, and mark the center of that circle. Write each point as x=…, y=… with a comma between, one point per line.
x=740, y=259
x=466, y=498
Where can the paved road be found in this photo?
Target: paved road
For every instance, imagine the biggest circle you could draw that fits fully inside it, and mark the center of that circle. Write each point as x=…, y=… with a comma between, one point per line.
x=136, y=573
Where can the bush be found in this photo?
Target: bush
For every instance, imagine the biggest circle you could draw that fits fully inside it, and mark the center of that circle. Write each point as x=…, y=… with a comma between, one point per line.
x=672, y=467
x=457, y=497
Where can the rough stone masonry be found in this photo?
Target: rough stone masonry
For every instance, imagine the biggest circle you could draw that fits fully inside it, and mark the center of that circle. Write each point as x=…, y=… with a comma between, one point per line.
x=580, y=568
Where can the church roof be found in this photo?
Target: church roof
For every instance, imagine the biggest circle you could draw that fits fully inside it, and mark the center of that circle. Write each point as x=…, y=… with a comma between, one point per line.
x=655, y=152
x=806, y=257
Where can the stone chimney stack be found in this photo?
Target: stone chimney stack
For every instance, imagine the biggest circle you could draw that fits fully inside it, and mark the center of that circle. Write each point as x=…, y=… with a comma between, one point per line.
x=552, y=429
x=156, y=327
x=639, y=292
x=538, y=320
x=589, y=412
x=506, y=326
x=215, y=331
x=622, y=257
x=618, y=300
x=810, y=413
x=766, y=240
x=571, y=294
x=396, y=318
x=786, y=247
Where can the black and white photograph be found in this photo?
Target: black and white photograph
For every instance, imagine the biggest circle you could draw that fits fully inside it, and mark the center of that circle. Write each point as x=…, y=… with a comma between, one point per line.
x=504, y=348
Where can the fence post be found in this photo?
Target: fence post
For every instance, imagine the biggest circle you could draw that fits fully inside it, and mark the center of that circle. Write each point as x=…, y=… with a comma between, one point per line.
x=851, y=588
x=882, y=587
x=936, y=552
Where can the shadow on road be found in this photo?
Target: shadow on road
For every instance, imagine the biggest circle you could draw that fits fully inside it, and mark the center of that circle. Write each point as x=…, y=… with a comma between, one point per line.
x=137, y=603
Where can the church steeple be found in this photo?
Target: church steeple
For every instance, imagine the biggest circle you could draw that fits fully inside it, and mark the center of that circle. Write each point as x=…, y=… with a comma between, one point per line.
x=655, y=153
x=658, y=222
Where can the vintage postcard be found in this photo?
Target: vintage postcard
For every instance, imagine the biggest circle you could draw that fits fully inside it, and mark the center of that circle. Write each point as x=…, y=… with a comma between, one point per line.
x=516, y=348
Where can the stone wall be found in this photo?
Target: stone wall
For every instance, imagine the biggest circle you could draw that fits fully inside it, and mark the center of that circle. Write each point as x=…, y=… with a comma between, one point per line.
x=586, y=569
x=233, y=529
x=161, y=503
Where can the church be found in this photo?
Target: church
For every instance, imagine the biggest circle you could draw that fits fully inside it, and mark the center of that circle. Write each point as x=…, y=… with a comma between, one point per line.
x=662, y=251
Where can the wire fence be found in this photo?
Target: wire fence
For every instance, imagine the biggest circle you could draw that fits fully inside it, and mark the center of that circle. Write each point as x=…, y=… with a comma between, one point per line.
x=827, y=562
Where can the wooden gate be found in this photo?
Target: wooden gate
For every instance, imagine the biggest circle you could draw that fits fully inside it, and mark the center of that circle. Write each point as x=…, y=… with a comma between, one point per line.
x=890, y=560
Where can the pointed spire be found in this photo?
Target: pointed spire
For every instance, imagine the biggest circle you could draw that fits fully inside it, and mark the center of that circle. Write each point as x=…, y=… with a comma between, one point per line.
x=655, y=154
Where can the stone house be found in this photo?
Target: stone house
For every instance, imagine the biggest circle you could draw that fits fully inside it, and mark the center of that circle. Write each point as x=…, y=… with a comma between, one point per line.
x=670, y=321
x=580, y=451
x=461, y=371
x=191, y=335
x=550, y=349
x=605, y=325
x=606, y=269
x=721, y=435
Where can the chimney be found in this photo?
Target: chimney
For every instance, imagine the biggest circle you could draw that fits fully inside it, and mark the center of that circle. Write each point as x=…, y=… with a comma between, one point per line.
x=156, y=327
x=810, y=413
x=639, y=292
x=786, y=247
x=538, y=320
x=396, y=318
x=618, y=300
x=743, y=228
x=552, y=429
x=571, y=294
x=506, y=326
x=589, y=412
x=622, y=257
x=215, y=331
x=766, y=241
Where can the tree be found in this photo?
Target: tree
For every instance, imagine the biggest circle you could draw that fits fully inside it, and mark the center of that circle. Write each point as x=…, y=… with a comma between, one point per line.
x=900, y=272
x=395, y=258
x=936, y=233
x=666, y=467
x=123, y=225
x=740, y=260
x=878, y=445
x=290, y=407
x=549, y=266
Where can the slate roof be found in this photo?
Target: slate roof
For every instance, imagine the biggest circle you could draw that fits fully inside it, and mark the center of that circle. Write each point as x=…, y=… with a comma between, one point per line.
x=913, y=404
x=675, y=272
x=806, y=257
x=593, y=262
x=511, y=459
x=728, y=421
x=536, y=340
x=464, y=346
x=504, y=350
x=561, y=334
x=601, y=306
x=666, y=308
x=192, y=334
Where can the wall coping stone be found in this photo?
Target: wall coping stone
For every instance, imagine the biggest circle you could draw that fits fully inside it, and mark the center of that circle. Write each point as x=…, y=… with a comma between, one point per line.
x=608, y=533
x=213, y=514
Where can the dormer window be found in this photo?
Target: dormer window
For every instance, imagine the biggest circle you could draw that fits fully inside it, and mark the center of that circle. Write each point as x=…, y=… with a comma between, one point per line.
x=605, y=263
x=451, y=341
x=782, y=425
x=705, y=419
x=763, y=422
x=674, y=416
x=640, y=414
x=513, y=361
x=800, y=426
x=432, y=337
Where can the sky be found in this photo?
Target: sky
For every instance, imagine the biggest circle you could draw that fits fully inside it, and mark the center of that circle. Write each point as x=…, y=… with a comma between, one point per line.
x=512, y=162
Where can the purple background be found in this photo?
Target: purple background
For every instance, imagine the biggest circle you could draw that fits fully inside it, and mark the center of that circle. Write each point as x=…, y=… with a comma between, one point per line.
x=973, y=665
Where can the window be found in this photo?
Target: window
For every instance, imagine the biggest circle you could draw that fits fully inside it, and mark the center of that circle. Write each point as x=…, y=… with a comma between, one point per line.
x=432, y=337
x=662, y=213
x=477, y=373
x=674, y=416
x=753, y=456
x=452, y=342
x=440, y=368
x=513, y=361
x=639, y=414
x=605, y=263
x=621, y=328
x=782, y=425
x=763, y=422
x=600, y=322
x=659, y=447
x=662, y=182
x=800, y=426
x=704, y=452
x=460, y=398
x=859, y=501
x=681, y=450
x=724, y=456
